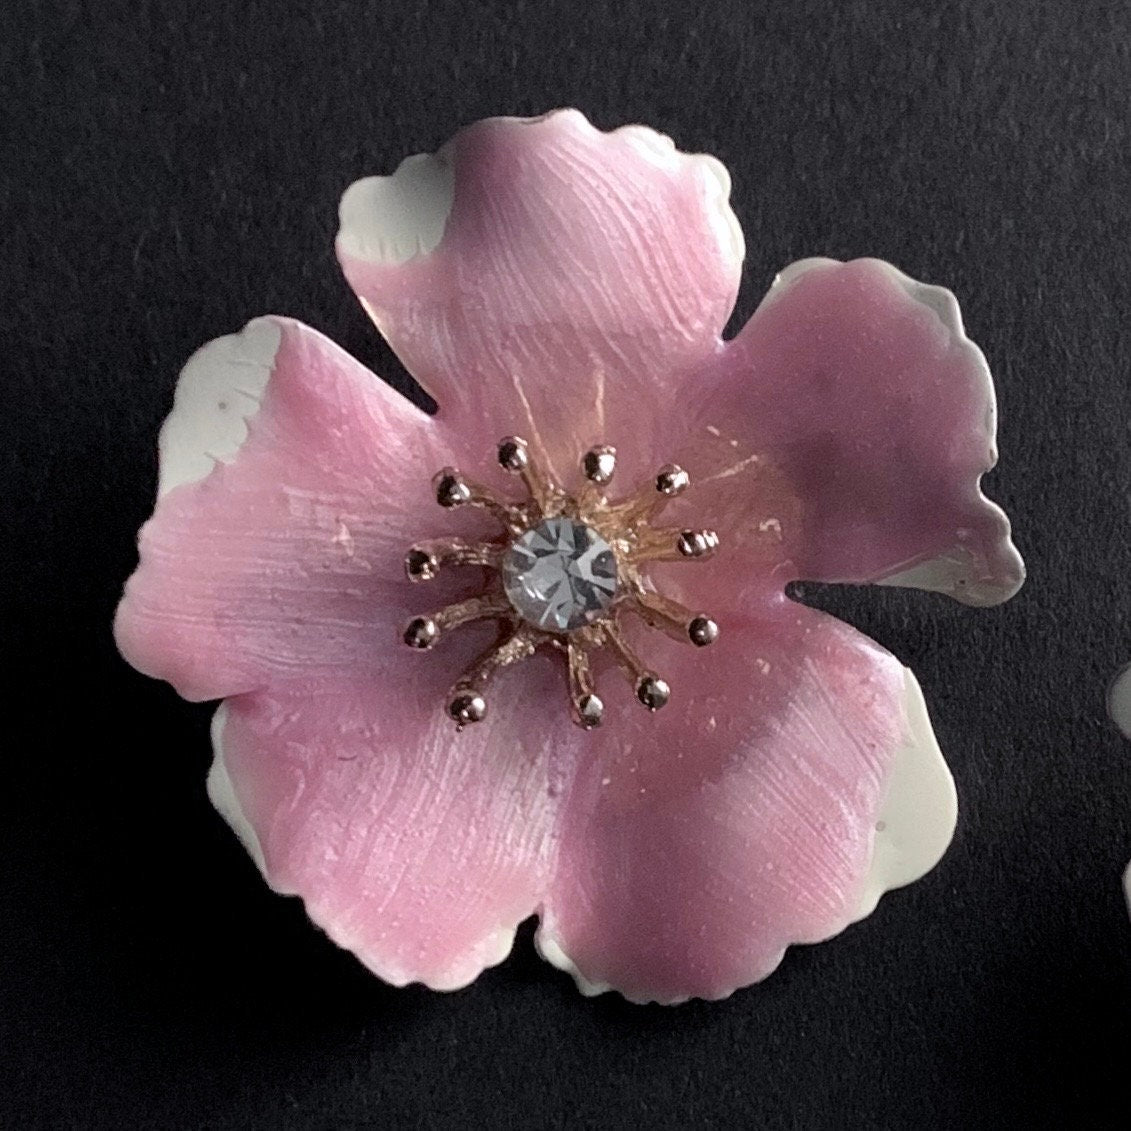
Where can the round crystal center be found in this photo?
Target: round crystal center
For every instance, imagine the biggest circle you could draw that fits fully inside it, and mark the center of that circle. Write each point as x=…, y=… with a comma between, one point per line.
x=560, y=574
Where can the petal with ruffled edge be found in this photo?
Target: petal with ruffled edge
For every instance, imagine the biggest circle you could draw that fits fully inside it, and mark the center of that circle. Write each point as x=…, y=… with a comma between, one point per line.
x=418, y=849
x=857, y=387
x=671, y=856
x=697, y=845
x=541, y=277
x=361, y=798
x=291, y=481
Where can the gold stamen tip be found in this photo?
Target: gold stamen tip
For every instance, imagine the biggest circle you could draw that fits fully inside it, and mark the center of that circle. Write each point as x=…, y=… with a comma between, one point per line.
x=652, y=691
x=588, y=711
x=599, y=463
x=451, y=488
x=467, y=707
x=421, y=633
x=672, y=480
x=697, y=543
x=513, y=453
x=420, y=565
x=702, y=630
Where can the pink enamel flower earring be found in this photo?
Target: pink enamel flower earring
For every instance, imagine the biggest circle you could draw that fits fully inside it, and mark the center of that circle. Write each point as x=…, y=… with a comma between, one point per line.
x=566, y=287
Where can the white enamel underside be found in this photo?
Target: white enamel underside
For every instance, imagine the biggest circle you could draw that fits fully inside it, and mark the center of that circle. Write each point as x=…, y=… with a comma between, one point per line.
x=1119, y=700
x=919, y=814
x=954, y=572
x=219, y=391
x=222, y=793
x=392, y=219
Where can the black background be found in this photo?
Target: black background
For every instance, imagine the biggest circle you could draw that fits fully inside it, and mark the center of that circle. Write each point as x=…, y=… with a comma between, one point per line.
x=171, y=169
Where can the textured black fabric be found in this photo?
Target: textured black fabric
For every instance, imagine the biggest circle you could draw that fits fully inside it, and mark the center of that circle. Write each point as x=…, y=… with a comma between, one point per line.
x=171, y=168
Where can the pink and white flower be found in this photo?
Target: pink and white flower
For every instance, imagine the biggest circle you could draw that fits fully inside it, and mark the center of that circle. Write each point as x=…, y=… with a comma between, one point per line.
x=542, y=278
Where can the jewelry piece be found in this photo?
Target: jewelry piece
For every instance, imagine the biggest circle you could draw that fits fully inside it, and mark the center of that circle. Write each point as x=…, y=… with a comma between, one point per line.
x=579, y=281
x=561, y=576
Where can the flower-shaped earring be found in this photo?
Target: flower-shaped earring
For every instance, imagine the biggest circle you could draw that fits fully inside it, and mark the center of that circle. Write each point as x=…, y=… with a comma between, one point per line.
x=561, y=292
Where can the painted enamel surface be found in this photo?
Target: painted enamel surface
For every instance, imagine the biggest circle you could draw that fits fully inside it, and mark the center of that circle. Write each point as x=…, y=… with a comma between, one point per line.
x=861, y=389
x=285, y=563
x=218, y=392
x=545, y=278
x=580, y=275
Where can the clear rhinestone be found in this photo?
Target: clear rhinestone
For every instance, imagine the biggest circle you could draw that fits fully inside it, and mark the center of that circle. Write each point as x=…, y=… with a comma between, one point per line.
x=560, y=574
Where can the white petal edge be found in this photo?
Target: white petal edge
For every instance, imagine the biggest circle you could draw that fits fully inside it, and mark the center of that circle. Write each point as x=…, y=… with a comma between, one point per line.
x=918, y=817
x=1119, y=707
x=390, y=220
x=915, y=826
x=491, y=950
x=222, y=793
x=1119, y=701
x=660, y=150
x=954, y=572
x=218, y=391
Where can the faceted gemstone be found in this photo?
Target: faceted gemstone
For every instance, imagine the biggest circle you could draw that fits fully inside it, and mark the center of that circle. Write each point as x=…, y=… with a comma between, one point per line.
x=560, y=574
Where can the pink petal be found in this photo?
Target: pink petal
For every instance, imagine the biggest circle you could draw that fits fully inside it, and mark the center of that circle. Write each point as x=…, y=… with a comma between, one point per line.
x=283, y=564
x=673, y=855
x=700, y=843
x=418, y=849
x=857, y=391
x=541, y=277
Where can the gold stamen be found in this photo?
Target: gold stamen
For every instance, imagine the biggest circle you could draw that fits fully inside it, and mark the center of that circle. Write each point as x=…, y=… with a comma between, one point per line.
x=425, y=559
x=514, y=455
x=671, y=545
x=453, y=489
x=651, y=690
x=672, y=618
x=467, y=703
x=588, y=709
x=624, y=527
x=646, y=504
x=423, y=632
